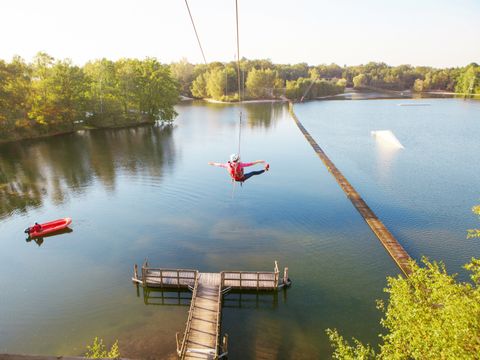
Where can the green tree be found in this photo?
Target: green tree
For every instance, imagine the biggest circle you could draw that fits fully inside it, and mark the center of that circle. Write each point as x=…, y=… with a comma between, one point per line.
x=184, y=73
x=42, y=110
x=360, y=81
x=58, y=93
x=127, y=72
x=418, y=86
x=104, y=106
x=216, y=83
x=199, y=87
x=68, y=93
x=294, y=89
x=469, y=80
x=261, y=83
x=341, y=83
x=429, y=315
x=15, y=93
x=157, y=91
x=474, y=233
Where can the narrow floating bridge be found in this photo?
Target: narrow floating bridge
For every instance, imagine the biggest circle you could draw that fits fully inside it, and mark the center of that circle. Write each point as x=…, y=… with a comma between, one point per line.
x=201, y=338
x=393, y=247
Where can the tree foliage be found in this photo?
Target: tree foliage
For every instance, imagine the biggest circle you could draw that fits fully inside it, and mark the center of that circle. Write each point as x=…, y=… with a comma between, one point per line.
x=429, y=315
x=291, y=78
x=98, y=350
x=50, y=96
x=359, y=81
x=469, y=80
x=184, y=73
x=216, y=83
x=295, y=89
x=261, y=83
x=344, y=351
x=474, y=233
x=199, y=87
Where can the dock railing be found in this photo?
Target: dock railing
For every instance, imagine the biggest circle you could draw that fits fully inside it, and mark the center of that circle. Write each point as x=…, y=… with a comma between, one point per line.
x=159, y=277
x=183, y=345
x=254, y=280
x=219, y=349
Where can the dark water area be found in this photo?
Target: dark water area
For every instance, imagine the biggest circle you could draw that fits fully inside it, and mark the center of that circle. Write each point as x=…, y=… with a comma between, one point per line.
x=148, y=192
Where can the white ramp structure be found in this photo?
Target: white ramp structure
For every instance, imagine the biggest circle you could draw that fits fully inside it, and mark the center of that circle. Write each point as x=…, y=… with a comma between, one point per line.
x=387, y=138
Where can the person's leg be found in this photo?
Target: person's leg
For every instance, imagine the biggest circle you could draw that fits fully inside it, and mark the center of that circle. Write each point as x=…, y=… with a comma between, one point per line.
x=252, y=173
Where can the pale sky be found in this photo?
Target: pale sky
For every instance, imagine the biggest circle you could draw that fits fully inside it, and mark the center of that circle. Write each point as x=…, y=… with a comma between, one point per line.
x=440, y=33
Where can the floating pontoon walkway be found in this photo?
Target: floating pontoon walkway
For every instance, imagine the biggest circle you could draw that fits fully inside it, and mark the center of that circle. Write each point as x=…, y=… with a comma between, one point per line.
x=396, y=251
x=201, y=338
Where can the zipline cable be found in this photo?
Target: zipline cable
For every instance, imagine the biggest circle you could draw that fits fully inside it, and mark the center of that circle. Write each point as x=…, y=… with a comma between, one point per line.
x=238, y=78
x=314, y=80
x=195, y=29
x=238, y=53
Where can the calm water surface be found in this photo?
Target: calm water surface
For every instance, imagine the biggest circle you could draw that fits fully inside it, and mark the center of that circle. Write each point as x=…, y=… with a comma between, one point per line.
x=148, y=193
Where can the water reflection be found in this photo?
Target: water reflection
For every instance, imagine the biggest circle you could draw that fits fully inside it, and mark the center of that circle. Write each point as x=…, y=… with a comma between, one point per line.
x=386, y=155
x=257, y=114
x=251, y=299
x=39, y=240
x=164, y=297
x=233, y=300
x=59, y=167
x=263, y=115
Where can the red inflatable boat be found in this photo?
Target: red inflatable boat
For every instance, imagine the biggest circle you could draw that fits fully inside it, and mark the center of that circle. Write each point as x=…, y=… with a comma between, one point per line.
x=39, y=230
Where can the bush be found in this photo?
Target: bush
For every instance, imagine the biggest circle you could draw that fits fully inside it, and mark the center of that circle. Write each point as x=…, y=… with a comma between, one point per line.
x=98, y=350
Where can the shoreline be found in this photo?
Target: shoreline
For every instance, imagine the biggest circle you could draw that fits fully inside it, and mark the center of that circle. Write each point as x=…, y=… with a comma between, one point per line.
x=350, y=95
x=212, y=101
x=86, y=128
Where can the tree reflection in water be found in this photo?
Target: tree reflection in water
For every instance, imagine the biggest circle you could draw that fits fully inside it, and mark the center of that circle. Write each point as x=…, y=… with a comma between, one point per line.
x=61, y=167
x=264, y=116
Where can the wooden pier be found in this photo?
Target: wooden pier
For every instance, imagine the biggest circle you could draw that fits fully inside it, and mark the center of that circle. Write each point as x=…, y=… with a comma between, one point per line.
x=393, y=247
x=201, y=338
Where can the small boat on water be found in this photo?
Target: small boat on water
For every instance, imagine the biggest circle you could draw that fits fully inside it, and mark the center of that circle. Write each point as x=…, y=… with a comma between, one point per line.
x=39, y=230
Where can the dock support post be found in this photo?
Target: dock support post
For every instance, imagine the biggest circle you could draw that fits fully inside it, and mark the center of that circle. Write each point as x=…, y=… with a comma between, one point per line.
x=276, y=273
x=178, y=343
x=224, y=346
x=286, y=281
x=135, y=272
x=144, y=273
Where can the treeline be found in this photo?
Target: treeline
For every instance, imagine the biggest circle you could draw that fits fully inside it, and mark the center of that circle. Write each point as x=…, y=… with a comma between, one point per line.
x=50, y=96
x=263, y=79
x=259, y=79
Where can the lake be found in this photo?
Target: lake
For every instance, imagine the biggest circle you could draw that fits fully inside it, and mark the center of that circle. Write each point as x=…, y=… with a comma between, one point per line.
x=147, y=192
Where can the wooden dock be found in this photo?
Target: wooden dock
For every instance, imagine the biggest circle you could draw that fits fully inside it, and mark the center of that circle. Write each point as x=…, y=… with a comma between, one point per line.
x=393, y=247
x=201, y=338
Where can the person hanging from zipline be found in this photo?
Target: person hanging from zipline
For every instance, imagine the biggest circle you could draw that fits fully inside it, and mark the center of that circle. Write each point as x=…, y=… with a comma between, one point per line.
x=235, y=168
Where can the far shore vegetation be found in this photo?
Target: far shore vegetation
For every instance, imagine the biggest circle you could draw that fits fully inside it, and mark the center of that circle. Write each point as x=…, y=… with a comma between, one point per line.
x=49, y=96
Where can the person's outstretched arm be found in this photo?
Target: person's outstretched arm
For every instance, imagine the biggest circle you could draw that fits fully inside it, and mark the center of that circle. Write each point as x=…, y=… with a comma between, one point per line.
x=253, y=163
x=217, y=164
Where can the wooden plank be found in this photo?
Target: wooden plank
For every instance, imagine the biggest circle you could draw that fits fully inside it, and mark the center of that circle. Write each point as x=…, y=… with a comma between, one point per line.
x=204, y=329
